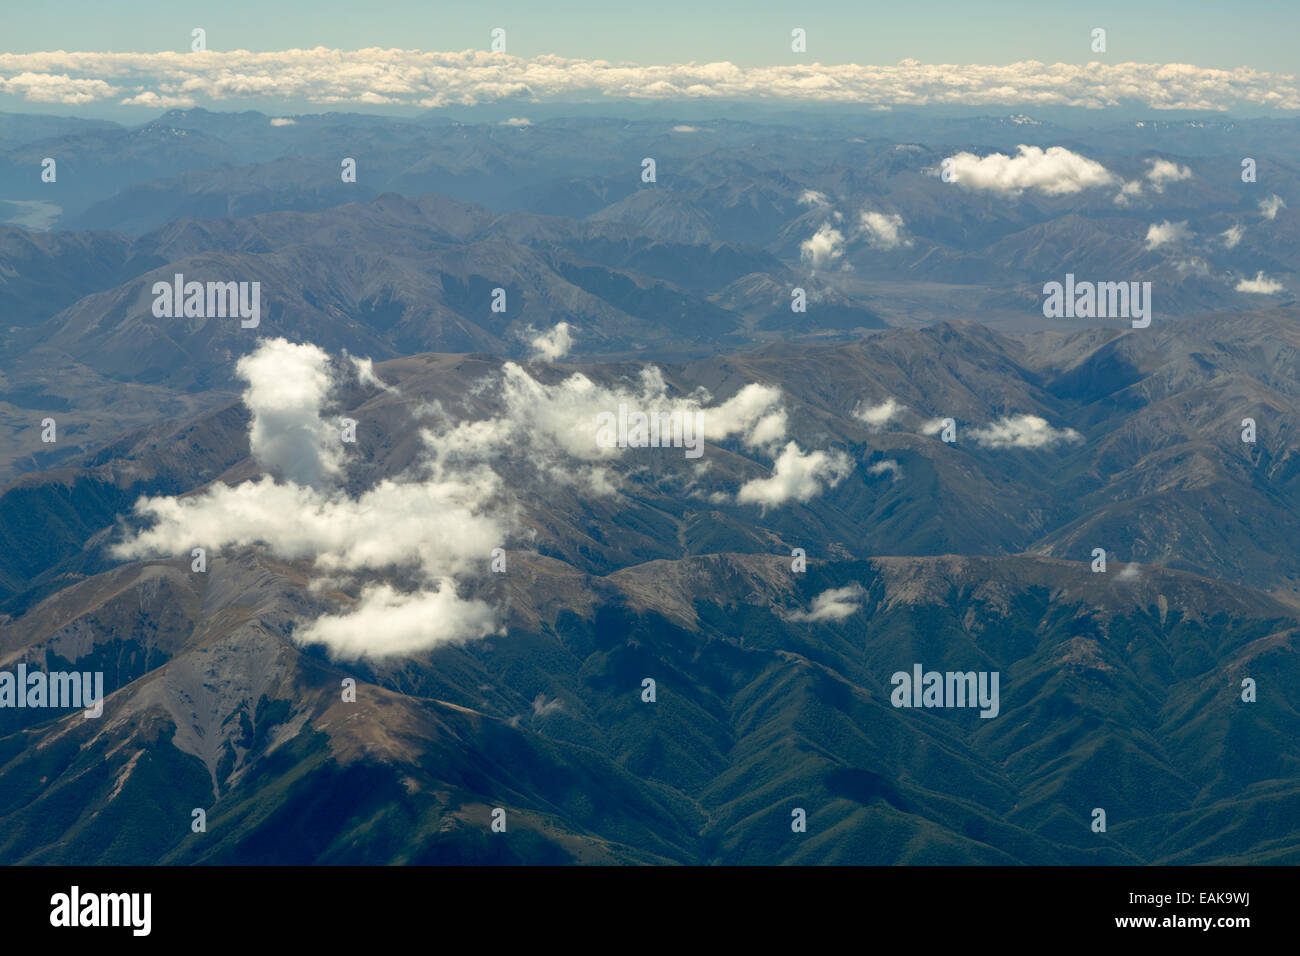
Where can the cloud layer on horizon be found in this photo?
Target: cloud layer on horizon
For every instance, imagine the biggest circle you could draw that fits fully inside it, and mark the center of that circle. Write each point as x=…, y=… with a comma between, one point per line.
x=376, y=77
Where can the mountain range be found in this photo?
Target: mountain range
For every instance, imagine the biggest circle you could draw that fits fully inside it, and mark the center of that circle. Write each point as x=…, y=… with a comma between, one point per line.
x=919, y=469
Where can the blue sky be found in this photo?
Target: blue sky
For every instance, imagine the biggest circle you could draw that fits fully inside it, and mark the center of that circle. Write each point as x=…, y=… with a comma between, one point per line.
x=746, y=32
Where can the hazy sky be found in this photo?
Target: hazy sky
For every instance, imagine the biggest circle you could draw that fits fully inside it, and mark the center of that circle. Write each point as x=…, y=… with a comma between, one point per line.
x=1262, y=35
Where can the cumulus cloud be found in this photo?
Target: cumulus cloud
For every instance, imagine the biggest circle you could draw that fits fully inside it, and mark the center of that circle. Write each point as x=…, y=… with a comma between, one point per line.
x=823, y=247
x=436, y=525
x=411, y=539
x=833, y=605
x=159, y=101
x=887, y=467
x=1260, y=285
x=55, y=88
x=1054, y=171
x=1194, y=265
x=470, y=77
x=1270, y=206
x=287, y=387
x=883, y=230
x=544, y=708
x=1232, y=235
x=1128, y=192
x=686, y=129
x=553, y=345
x=1023, y=431
x=877, y=416
x=401, y=623
x=541, y=420
x=796, y=476
x=811, y=197
x=283, y=121
x=552, y=430
x=1165, y=233
x=517, y=121
x=365, y=371
x=1160, y=172
x=1164, y=171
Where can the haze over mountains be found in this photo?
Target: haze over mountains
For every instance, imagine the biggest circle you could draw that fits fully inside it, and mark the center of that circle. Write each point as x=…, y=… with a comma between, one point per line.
x=824, y=431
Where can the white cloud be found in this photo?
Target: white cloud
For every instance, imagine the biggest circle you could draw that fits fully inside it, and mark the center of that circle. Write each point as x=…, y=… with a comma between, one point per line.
x=469, y=77
x=1270, y=206
x=283, y=121
x=60, y=88
x=439, y=527
x=811, y=197
x=1232, y=235
x=883, y=229
x=686, y=129
x=823, y=247
x=877, y=416
x=1260, y=285
x=287, y=387
x=833, y=605
x=1164, y=171
x=365, y=369
x=436, y=524
x=517, y=121
x=1165, y=233
x=887, y=467
x=554, y=425
x=159, y=101
x=440, y=524
x=1129, y=191
x=543, y=707
x=796, y=476
x=385, y=622
x=1193, y=264
x=1054, y=172
x=553, y=345
x=432, y=524
x=1023, y=431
